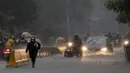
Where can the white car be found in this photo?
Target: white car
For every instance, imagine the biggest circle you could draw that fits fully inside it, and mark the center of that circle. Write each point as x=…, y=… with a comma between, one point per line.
x=99, y=44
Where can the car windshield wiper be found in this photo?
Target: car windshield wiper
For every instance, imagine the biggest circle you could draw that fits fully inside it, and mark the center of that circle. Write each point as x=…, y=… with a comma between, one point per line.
x=90, y=41
x=95, y=41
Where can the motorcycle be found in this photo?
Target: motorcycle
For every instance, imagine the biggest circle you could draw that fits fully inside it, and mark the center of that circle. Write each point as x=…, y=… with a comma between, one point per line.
x=6, y=54
x=71, y=51
x=110, y=48
x=127, y=50
x=117, y=43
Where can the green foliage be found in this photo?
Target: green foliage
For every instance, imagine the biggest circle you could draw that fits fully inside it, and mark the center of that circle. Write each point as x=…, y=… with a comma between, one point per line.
x=121, y=8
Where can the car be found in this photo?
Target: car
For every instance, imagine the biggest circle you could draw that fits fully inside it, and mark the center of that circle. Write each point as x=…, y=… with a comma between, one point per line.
x=99, y=45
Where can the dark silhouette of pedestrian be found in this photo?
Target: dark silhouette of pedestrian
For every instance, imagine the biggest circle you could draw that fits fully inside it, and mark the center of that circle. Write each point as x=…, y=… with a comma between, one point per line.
x=33, y=46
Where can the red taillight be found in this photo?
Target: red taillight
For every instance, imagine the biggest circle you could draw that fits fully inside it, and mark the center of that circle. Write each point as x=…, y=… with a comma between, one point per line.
x=6, y=51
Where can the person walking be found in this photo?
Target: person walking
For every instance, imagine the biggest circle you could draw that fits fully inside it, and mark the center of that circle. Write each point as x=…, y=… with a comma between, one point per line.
x=32, y=47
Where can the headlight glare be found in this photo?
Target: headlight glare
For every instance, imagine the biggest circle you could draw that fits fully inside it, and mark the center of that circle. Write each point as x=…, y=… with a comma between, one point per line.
x=84, y=48
x=104, y=49
x=70, y=44
x=126, y=42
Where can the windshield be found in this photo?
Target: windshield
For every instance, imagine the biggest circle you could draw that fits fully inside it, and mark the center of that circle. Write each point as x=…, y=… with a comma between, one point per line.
x=98, y=42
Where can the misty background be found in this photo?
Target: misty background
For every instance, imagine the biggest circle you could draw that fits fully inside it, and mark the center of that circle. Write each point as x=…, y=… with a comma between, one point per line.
x=86, y=16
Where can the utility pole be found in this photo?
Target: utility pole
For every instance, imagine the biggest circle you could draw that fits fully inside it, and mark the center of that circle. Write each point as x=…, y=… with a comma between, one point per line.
x=68, y=14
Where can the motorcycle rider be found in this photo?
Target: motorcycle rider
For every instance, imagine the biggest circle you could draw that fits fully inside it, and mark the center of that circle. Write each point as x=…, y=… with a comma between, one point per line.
x=127, y=46
x=10, y=44
x=77, y=45
x=118, y=39
x=6, y=38
x=118, y=36
x=109, y=37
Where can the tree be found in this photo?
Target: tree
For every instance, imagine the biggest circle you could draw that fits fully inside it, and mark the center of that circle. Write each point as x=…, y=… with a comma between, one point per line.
x=121, y=8
x=15, y=13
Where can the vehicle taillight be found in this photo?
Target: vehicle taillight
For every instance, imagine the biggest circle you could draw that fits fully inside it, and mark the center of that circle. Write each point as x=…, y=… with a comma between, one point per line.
x=6, y=51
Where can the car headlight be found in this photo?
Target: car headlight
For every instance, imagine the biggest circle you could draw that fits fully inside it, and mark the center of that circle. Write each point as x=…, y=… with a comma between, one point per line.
x=126, y=42
x=104, y=49
x=84, y=48
x=70, y=44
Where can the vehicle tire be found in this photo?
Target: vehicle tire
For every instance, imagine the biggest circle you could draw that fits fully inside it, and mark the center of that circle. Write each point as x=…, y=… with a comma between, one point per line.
x=128, y=59
x=68, y=54
x=127, y=55
x=65, y=54
x=78, y=55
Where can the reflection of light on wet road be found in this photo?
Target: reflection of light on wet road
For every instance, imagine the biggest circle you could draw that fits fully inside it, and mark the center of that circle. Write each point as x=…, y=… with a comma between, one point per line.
x=97, y=53
x=104, y=53
x=103, y=58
